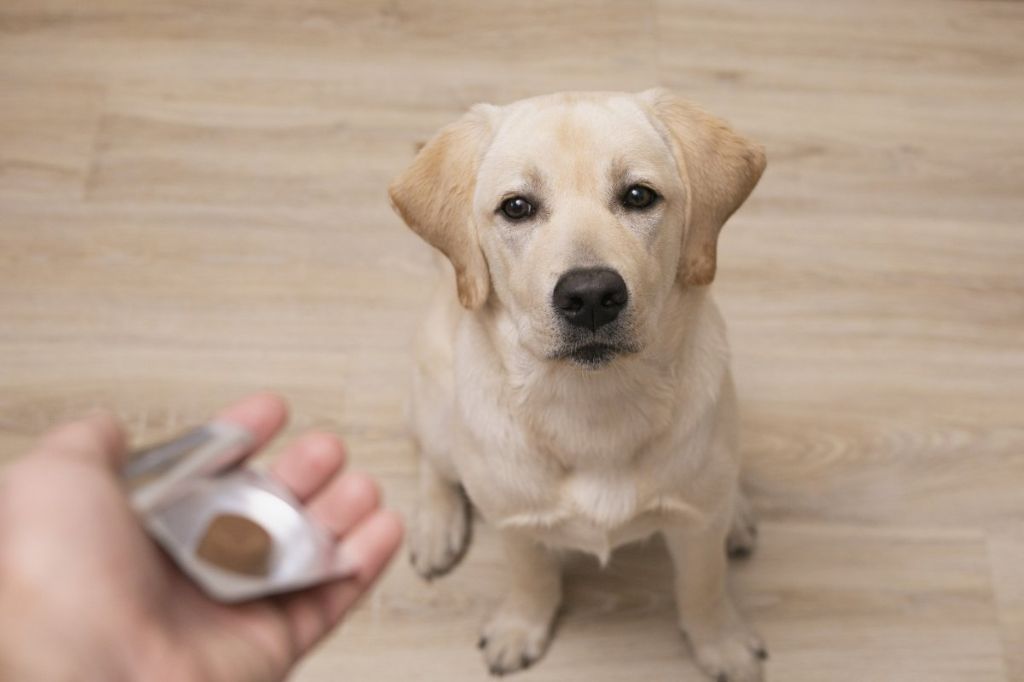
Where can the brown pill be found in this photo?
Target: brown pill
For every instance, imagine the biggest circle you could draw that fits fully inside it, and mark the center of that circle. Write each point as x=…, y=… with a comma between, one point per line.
x=235, y=543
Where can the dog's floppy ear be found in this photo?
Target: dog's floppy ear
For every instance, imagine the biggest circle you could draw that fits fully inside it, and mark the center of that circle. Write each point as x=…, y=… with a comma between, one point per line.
x=719, y=167
x=434, y=196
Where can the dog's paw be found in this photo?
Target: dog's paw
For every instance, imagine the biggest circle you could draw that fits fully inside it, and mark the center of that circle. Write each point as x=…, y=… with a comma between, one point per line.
x=440, y=534
x=510, y=642
x=733, y=655
x=742, y=538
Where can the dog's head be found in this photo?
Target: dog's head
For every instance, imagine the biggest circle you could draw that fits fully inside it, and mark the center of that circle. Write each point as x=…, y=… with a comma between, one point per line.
x=578, y=213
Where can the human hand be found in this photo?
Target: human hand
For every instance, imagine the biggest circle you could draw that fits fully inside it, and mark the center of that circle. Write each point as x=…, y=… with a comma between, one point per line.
x=85, y=594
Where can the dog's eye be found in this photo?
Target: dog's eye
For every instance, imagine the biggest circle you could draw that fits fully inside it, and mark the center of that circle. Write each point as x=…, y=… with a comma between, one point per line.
x=516, y=208
x=639, y=196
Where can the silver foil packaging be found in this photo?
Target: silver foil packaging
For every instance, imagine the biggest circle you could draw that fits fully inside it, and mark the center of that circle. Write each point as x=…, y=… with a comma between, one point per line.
x=235, y=531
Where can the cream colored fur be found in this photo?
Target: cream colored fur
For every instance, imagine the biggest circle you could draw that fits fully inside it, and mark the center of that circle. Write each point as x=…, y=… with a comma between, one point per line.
x=555, y=455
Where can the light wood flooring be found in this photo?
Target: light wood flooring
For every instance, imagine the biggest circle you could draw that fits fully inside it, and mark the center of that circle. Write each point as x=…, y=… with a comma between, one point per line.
x=192, y=207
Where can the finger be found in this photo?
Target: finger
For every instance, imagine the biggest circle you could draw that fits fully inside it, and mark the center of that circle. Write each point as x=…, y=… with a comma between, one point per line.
x=345, y=501
x=365, y=552
x=341, y=506
x=262, y=414
x=97, y=439
x=308, y=464
x=314, y=613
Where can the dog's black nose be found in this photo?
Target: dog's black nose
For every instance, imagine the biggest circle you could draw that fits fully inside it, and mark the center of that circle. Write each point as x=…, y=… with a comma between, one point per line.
x=590, y=297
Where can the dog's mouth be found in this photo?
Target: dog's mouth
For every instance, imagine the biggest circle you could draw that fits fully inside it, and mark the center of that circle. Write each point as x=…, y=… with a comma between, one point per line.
x=594, y=355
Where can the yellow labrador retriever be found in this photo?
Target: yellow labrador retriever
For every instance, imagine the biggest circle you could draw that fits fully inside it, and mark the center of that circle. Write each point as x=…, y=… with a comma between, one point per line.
x=581, y=394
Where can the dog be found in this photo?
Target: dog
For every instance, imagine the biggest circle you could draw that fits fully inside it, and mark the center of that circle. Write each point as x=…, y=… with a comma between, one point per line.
x=572, y=371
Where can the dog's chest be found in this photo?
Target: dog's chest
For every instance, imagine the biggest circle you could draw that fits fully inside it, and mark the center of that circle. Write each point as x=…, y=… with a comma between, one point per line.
x=607, y=500
x=595, y=511
x=586, y=467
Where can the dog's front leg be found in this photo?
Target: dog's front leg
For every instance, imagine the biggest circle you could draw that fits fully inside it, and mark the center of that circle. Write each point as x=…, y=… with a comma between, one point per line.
x=723, y=645
x=518, y=634
x=441, y=525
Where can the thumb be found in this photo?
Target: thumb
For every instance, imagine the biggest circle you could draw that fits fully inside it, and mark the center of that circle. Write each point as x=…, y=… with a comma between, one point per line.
x=96, y=439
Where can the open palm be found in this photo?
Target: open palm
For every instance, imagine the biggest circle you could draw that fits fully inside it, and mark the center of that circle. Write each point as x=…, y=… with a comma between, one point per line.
x=87, y=595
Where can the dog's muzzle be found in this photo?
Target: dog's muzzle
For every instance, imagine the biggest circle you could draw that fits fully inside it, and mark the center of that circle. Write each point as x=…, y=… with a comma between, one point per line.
x=588, y=301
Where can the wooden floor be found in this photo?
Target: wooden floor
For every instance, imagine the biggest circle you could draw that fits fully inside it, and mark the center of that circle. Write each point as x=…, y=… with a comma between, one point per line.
x=192, y=206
